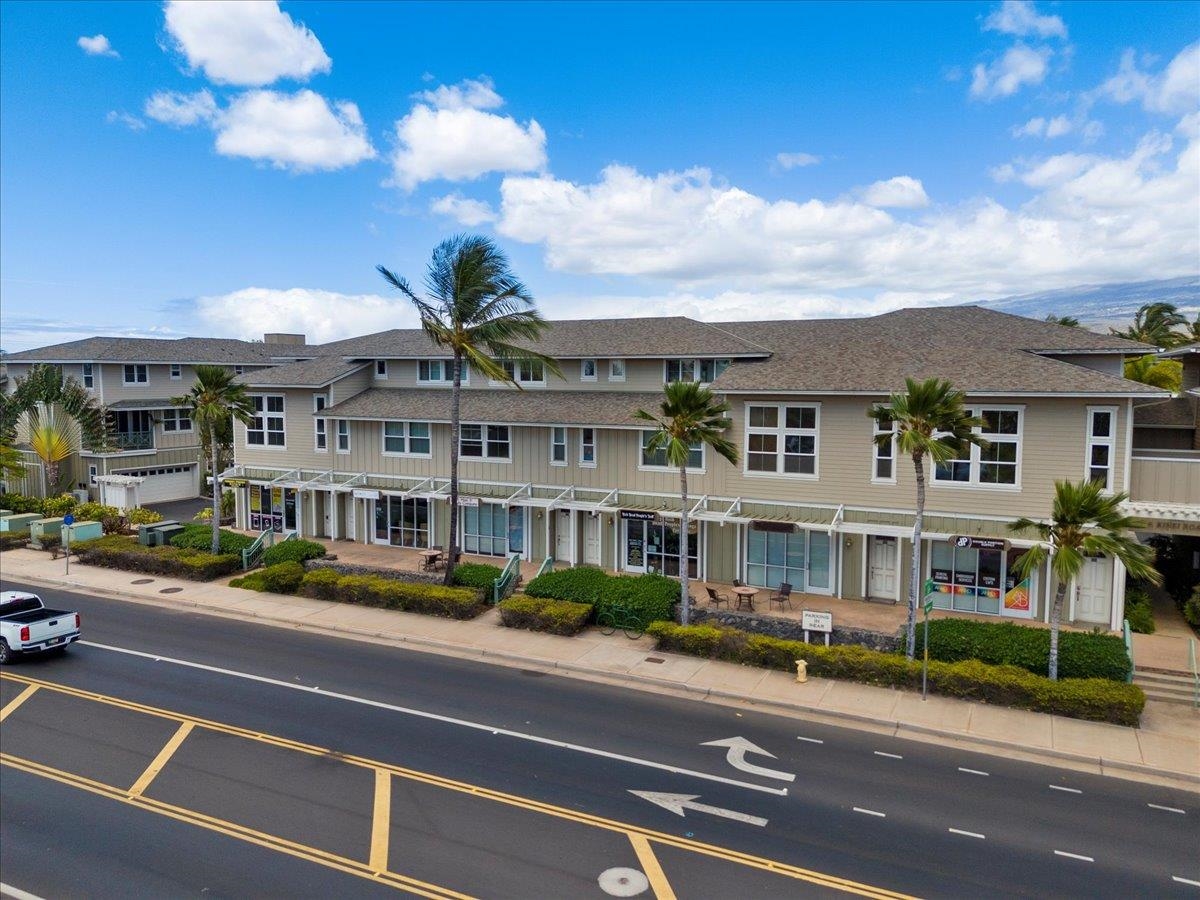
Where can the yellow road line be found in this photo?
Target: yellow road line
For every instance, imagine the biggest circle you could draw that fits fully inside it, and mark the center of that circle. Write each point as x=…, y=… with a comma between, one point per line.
x=164, y=756
x=729, y=855
x=658, y=878
x=381, y=820
x=232, y=829
x=11, y=706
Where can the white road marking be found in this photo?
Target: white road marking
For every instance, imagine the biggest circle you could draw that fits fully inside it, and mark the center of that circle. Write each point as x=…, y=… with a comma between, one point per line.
x=973, y=834
x=1185, y=881
x=888, y=755
x=870, y=812
x=449, y=720
x=738, y=748
x=810, y=740
x=1073, y=856
x=971, y=771
x=1182, y=812
x=7, y=890
x=677, y=803
x=1059, y=787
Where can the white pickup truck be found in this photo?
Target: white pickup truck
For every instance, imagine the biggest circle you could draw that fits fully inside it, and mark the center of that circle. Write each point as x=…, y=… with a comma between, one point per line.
x=28, y=626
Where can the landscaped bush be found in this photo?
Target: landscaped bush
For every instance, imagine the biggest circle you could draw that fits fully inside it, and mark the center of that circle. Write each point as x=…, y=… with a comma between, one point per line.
x=13, y=540
x=120, y=552
x=1191, y=608
x=282, y=578
x=539, y=614
x=391, y=593
x=1080, y=654
x=21, y=503
x=1097, y=699
x=57, y=507
x=292, y=551
x=199, y=537
x=476, y=575
x=109, y=517
x=139, y=515
x=1138, y=610
x=650, y=597
x=321, y=584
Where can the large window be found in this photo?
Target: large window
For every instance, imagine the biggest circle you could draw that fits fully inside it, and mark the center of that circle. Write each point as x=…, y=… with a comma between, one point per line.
x=781, y=439
x=970, y=579
x=558, y=446
x=89, y=381
x=177, y=420
x=137, y=374
x=406, y=438
x=319, y=426
x=998, y=464
x=439, y=371
x=266, y=429
x=587, y=447
x=883, y=463
x=657, y=459
x=800, y=558
x=662, y=549
x=485, y=529
x=402, y=522
x=485, y=442
x=1101, y=444
x=704, y=371
x=525, y=371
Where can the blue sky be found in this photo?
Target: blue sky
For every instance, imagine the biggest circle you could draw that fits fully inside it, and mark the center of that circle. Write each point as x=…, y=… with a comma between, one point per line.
x=235, y=168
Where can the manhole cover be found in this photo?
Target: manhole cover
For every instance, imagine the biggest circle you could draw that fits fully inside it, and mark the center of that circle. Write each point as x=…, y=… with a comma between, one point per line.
x=623, y=882
x=654, y=659
x=142, y=581
x=170, y=590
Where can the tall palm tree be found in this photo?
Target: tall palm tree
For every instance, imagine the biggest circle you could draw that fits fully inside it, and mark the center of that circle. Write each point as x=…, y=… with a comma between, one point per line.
x=213, y=401
x=1067, y=321
x=689, y=415
x=1154, y=323
x=478, y=310
x=45, y=384
x=1084, y=521
x=1161, y=373
x=928, y=419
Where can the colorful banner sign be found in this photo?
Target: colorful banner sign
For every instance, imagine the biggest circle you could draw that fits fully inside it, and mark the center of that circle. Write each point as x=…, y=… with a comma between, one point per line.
x=1017, y=598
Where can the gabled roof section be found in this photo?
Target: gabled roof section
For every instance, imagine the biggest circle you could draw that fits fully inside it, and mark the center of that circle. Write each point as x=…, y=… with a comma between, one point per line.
x=313, y=373
x=190, y=350
x=1177, y=352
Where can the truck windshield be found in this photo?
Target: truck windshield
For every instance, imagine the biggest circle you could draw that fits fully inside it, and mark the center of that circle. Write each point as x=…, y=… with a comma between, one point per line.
x=21, y=605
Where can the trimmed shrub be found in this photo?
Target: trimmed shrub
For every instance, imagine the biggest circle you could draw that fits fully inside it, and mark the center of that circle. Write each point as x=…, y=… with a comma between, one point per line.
x=120, y=552
x=109, y=517
x=1096, y=699
x=1080, y=654
x=139, y=515
x=391, y=593
x=476, y=575
x=292, y=551
x=321, y=584
x=1138, y=611
x=1191, y=608
x=199, y=537
x=537, y=614
x=650, y=597
x=57, y=507
x=21, y=503
x=283, y=578
x=13, y=540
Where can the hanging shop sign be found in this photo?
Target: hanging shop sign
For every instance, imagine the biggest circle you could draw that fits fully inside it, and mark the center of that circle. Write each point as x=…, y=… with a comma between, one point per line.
x=468, y=501
x=360, y=494
x=234, y=482
x=978, y=543
x=777, y=527
x=639, y=515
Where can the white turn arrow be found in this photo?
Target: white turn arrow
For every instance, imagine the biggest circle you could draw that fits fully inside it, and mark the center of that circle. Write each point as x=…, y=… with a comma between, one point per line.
x=738, y=748
x=677, y=803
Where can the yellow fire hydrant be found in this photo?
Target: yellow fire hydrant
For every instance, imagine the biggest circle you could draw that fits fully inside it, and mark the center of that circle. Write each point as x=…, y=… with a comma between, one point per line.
x=801, y=671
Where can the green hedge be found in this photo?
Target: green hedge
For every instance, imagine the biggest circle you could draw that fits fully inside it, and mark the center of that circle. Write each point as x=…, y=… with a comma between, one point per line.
x=1191, y=608
x=281, y=578
x=538, y=614
x=120, y=552
x=391, y=593
x=57, y=507
x=650, y=597
x=199, y=537
x=292, y=551
x=1139, y=610
x=13, y=540
x=21, y=503
x=476, y=575
x=1081, y=654
x=1082, y=698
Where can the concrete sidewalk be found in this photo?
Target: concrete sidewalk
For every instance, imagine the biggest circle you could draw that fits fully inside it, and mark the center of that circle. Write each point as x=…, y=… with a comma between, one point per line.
x=1164, y=749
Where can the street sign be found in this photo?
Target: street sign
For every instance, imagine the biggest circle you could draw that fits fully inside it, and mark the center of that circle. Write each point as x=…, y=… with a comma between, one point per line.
x=816, y=621
x=928, y=605
x=68, y=519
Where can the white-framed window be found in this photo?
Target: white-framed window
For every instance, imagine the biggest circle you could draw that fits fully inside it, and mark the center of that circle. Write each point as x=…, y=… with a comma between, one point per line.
x=89, y=380
x=239, y=370
x=93, y=471
x=1101, y=445
x=137, y=373
x=266, y=429
x=883, y=459
x=704, y=371
x=321, y=438
x=616, y=370
x=558, y=446
x=177, y=420
x=406, y=439
x=782, y=438
x=525, y=371
x=440, y=371
x=587, y=447
x=997, y=466
x=490, y=442
x=343, y=435
x=381, y=369
x=657, y=459
x=176, y=371
x=587, y=370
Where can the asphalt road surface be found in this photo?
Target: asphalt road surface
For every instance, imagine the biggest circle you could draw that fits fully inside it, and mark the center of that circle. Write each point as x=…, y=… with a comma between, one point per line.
x=178, y=754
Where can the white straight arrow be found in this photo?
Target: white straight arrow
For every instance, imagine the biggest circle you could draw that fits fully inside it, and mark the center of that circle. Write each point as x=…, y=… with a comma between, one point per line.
x=738, y=748
x=677, y=803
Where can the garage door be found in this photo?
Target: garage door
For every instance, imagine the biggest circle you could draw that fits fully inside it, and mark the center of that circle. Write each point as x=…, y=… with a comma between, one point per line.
x=165, y=483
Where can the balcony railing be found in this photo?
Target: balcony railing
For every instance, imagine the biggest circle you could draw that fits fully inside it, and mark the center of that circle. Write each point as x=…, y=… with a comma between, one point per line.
x=125, y=440
x=1165, y=476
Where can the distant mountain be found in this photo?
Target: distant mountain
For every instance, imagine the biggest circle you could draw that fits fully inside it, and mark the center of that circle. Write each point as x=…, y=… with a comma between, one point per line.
x=1103, y=305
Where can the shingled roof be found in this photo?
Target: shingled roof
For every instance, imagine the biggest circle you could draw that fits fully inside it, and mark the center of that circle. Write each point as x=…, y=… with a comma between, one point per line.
x=188, y=350
x=314, y=373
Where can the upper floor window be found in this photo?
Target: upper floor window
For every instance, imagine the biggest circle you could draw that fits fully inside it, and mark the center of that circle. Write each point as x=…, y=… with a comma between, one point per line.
x=266, y=429
x=239, y=370
x=381, y=368
x=616, y=370
x=587, y=370
x=177, y=420
x=485, y=442
x=883, y=464
x=89, y=380
x=439, y=371
x=321, y=441
x=704, y=371
x=558, y=446
x=343, y=435
x=657, y=458
x=999, y=464
x=176, y=371
x=138, y=373
x=525, y=371
x=587, y=447
x=781, y=438
x=406, y=438
x=1101, y=444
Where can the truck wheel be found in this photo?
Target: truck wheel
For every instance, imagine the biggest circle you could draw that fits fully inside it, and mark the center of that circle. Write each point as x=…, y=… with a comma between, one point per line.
x=6, y=654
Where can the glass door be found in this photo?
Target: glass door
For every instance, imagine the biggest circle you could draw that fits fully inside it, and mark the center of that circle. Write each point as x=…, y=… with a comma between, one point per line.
x=516, y=529
x=635, y=546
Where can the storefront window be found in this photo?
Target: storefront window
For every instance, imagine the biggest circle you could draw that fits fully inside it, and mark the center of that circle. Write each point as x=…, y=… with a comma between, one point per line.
x=485, y=529
x=800, y=558
x=968, y=579
x=662, y=548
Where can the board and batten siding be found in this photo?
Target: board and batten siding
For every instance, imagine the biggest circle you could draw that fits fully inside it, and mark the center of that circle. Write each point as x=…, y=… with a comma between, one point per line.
x=640, y=375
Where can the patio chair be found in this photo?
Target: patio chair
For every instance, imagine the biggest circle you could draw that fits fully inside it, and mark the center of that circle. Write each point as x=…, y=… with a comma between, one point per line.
x=737, y=582
x=715, y=599
x=784, y=596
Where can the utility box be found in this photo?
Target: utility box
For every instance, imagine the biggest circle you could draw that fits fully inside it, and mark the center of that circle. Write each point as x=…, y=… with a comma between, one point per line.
x=164, y=533
x=5, y=512
x=148, y=535
x=82, y=531
x=45, y=531
x=18, y=522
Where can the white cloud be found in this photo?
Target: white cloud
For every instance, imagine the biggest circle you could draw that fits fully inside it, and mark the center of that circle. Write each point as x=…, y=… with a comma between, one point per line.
x=1020, y=18
x=902, y=192
x=796, y=160
x=250, y=42
x=463, y=209
x=320, y=315
x=300, y=131
x=468, y=94
x=120, y=117
x=1175, y=90
x=97, y=45
x=1059, y=126
x=1020, y=65
x=174, y=108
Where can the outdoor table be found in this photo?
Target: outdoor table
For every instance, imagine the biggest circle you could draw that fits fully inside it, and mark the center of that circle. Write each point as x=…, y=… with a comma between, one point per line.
x=745, y=595
x=431, y=559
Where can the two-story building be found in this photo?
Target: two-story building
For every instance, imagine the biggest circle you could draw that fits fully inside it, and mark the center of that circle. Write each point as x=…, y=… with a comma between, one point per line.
x=353, y=443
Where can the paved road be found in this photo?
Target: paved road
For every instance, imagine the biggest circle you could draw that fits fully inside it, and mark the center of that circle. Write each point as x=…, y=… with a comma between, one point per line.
x=282, y=763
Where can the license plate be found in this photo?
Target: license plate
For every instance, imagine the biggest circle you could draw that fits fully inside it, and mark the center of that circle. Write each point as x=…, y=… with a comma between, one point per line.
x=57, y=640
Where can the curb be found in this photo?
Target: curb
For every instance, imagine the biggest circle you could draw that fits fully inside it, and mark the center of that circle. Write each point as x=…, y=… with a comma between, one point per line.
x=649, y=684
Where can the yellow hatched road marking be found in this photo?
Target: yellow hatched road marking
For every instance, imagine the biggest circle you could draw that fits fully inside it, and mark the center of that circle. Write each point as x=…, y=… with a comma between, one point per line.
x=15, y=702
x=164, y=755
x=658, y=878
x=746, y=859
x=381, y=820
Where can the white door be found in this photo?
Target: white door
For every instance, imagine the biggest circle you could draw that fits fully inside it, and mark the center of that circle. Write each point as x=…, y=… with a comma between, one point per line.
x=562, y=538
x=881, y=565
x=1093, y=602
x=168, y=483
x=591, y=540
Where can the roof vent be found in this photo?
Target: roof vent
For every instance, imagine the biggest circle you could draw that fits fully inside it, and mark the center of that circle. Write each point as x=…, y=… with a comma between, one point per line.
x=281, y=338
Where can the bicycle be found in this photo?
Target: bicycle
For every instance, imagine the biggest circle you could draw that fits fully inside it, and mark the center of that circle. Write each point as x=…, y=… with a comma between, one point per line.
x=622, y=617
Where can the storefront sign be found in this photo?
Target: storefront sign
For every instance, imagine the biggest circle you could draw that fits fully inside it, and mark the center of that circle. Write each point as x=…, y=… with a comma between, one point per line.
x=468, y=501
x=234, y=482
x=1017, y=599
x=977, y=543
x=366, y=495
x=816, y=621
x=777, y=527
x=639, y=515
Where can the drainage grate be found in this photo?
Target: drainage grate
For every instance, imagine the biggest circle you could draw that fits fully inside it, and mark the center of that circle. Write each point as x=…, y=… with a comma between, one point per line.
x=170, y=590
x=654, y=659
x=142, y=581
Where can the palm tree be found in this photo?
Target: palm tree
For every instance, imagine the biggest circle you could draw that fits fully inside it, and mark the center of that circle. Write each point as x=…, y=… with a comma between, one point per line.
x=213, y=401
x=928, y=419
x=1154, y=324
x=1066, y=321
x=1084, y=521
x=1191, y=333
x=1161, y=373
x=52, y=437
x=477, y=309
x=688, y=415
